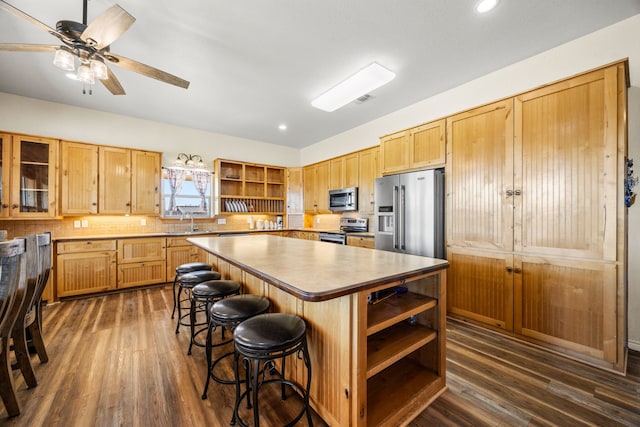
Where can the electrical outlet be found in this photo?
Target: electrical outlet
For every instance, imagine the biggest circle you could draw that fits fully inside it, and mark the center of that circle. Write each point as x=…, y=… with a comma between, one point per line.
x=222, y=220
x=85, y=223
x=143, y=222
x=76, y=224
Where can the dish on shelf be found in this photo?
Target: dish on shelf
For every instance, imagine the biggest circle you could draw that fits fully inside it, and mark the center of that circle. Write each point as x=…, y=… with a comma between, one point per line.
x=232, y=176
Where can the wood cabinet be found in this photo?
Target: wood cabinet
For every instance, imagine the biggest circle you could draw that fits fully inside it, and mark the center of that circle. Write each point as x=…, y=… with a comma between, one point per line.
x=343, y=171
x=316, y=187
x=5, y=174
x=295, y=191
x=78, y=178
x=536, y=221
x=84, y=267
x=179, y=251
x=129, y=181
x=420, y=147
x=114, y=187
x=145, y=182
x=29, y=177
x=360, y=241
x=141, y=261
x=250, y=188
x=369, y=170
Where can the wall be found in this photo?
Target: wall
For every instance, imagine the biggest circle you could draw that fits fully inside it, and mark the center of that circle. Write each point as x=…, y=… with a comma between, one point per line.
x=31, y=116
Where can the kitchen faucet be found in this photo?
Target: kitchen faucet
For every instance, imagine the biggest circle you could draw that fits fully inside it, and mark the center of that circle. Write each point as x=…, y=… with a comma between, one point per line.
x=193, y=227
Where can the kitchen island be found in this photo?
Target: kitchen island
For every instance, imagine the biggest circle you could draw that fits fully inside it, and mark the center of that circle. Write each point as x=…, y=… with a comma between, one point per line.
x=376, y=320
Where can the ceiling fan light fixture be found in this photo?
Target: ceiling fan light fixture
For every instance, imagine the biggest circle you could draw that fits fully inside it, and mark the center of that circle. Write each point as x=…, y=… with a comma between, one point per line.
x=85, y=75
x=99, y=69
x=63, y=59
x=361, y=83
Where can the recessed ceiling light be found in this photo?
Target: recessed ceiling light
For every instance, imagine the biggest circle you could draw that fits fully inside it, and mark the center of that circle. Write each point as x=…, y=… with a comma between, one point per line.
x=364, y=81
x=282, y=126
x=484, y=6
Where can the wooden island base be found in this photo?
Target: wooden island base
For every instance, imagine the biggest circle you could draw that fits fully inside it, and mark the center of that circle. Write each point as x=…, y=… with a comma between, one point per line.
x=372, y=363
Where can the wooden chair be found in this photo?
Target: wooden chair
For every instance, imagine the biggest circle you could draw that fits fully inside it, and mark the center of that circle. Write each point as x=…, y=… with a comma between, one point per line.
x=12, y=286
x=26, y=316
x=33, y=316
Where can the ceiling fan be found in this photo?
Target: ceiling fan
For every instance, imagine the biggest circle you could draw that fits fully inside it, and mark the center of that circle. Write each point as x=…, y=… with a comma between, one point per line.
x=91, y=45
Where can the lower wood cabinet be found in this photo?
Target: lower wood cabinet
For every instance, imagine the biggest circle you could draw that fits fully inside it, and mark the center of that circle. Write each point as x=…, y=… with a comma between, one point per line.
x=141, y=261
x=362, y=242
x=85, y=267
x=179, y=252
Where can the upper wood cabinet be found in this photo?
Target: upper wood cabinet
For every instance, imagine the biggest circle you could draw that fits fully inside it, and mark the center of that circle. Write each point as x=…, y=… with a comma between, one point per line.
x=479, y=173
x=145, y=182
x=115, y=180
x=29, y=177
x=295, y=191
x=129, y=181
x=316, y=187
x=78, y=178
x=336, y=173
x=351, y=170
x=5, y=174
x=416, y=148
x=369, y=170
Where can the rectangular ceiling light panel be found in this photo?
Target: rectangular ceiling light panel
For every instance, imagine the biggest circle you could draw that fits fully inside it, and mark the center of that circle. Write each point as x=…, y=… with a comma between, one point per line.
x=364, y=81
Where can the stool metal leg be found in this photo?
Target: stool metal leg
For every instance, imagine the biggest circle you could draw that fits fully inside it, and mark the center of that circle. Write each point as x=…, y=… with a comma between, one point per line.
x=175, y=278
x=192, y=318
x=254, y=391
x=179, y=309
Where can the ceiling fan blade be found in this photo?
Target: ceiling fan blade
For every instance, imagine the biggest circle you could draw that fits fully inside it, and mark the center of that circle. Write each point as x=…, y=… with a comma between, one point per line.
x=112, y=84
x=146, y=70
x=22, y=47
x=107, y=27
x=20, y=14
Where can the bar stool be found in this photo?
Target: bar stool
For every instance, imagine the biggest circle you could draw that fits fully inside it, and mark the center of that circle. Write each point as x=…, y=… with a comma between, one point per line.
x=203, y=295
x=184, y=269
x=264, y=338
x=186, y=282
x=227, y=314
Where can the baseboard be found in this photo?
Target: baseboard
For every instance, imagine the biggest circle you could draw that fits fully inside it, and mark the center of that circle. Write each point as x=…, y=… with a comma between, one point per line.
x=633, y=345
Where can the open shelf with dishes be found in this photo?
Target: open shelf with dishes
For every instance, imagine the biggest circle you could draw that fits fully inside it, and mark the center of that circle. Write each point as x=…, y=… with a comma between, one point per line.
x=243, y=188
x=405, y=349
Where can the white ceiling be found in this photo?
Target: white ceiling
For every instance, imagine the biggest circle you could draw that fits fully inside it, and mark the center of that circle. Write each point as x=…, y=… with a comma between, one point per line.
x=254, y=64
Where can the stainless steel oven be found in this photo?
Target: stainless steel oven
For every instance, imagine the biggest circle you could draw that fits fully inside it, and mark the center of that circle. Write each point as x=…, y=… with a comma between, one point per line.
x=333, y=237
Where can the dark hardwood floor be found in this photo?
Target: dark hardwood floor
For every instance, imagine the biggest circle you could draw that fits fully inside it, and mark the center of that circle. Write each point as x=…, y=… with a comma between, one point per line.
x=115, y=360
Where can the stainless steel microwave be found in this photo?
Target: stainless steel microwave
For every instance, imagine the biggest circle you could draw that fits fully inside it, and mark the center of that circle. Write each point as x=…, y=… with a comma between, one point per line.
x=344, y=199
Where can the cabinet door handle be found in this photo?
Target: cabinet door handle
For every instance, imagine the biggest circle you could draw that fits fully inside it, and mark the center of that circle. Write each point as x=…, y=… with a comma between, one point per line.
x=517, y=270
x=509, y=269
x=518, y=192
x=509, y=193
x=14, y=206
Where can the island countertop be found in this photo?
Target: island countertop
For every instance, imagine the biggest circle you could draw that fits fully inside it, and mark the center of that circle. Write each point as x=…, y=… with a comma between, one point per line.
x=312, y=270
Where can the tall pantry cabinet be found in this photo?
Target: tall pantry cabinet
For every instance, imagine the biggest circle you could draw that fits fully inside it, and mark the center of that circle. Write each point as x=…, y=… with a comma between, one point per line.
x=536, y=219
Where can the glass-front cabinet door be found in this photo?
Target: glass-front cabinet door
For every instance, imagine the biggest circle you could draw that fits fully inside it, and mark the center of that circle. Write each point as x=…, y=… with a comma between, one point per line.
x=33, y=176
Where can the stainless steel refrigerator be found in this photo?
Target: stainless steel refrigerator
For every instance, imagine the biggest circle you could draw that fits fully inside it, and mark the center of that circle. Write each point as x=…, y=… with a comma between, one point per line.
x=409, y=209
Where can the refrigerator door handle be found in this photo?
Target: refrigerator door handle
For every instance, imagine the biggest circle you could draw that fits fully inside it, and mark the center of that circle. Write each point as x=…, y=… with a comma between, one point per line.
x=395, y=217
x=401, y=215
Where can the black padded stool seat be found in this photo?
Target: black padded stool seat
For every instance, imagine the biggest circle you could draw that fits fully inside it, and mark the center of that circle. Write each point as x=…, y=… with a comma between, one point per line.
x=183, y=269
x=227, y=314
x=264, y=338
x=203, y=295
x=185, y=283
x=270, y=332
